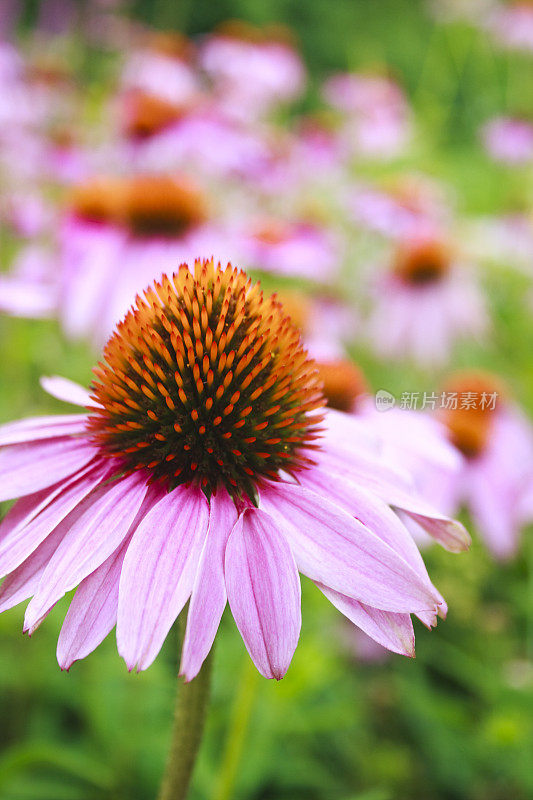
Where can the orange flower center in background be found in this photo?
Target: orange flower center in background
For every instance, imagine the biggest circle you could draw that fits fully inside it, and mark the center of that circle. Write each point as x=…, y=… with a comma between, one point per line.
x=161, y=205
x=272, y=232
x=170, y=44
x=421, y=263
x=477, y=397
x=98, y=200
x=207, y=380
x=147, y=114
x=343, y=383
x=297, y=306
x=148, y=205
x=243, y=31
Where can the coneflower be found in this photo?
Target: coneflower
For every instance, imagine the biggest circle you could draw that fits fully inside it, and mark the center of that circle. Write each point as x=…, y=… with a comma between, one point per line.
x=206, y=469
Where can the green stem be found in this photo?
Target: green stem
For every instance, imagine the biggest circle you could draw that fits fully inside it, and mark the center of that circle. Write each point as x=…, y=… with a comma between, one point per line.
x=238, y=727
x=189, y=717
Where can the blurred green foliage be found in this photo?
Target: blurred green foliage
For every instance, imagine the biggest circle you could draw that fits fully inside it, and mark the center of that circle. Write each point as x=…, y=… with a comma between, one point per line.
x=454, y=724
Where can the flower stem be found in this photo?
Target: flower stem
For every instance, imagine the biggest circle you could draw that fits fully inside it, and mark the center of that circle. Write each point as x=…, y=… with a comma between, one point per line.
x=189, y=717
x=237, y=732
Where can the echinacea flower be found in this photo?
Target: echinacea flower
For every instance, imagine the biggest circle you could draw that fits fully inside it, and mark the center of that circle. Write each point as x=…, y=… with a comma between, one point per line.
x=427, y=300
x=509, y=140
x=206, y=470
x=495, y=440
x=296, y=248
x=252, y=69
x=161, y=67
x=200, y=139
x=116, y=236
x=511, y=25
x=411, y=206
x=377, y=116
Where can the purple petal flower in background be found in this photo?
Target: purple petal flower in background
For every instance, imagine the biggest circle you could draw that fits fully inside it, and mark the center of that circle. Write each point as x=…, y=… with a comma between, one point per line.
x=376, y=116
x=424, y=304
x=494, y=482
x=509, y=140
x=511, y=25
x=252, y=70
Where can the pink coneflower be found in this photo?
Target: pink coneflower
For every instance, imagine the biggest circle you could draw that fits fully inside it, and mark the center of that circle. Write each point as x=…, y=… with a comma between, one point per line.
x=505, y=241
x=424, y=304
x=252, y=69
x=412, y=207
x=377, y=117
x=496, y=475
x=511, y=25
x=204, y=141
x=206, y=470
x=118, y=235
x=162, y=68
x=509, y=140
x=301, y=249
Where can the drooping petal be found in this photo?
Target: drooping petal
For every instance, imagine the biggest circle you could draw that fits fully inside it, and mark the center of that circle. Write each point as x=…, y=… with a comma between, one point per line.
x=393, y=631
x=264, y=591
x=371, y=511
x=208, y=597
x=26, y=468
x=394, y=490
x=34, y=428
x=92, y=613
x=337, y=550
x=67, y=390
x=158, y=573
x=448, y=532
x=36, y=520
x=97, y=527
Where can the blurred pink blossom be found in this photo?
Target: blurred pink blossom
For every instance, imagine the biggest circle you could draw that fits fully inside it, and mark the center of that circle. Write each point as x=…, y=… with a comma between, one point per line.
x=508, y=139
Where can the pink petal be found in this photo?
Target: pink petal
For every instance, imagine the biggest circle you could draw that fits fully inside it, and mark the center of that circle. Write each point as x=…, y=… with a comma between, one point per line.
x=92, y=533
x=41, y=517
x=264, y=591
x=23, y=582
x=25, y=298
x=92, y=613
x=392, y=487
x=393, y=631
x=364, y=468
x=335, y=549
x=371, y=511
x=494, y=510
x=158, y=573
x=208, y=598
x=34, y=428
x=67, y=390
x=25, y=509
x=26, y=468
x=450, y=533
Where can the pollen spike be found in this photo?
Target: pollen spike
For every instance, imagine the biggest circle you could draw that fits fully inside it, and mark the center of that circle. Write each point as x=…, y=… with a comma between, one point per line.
x=206, y=381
